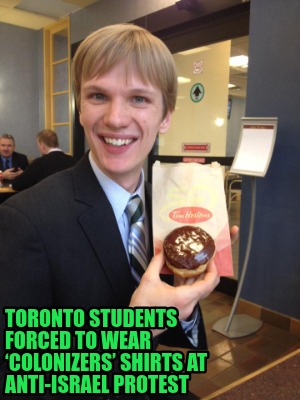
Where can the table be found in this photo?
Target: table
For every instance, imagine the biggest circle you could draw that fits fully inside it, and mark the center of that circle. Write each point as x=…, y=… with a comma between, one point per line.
x=5, y=192
x=7, y=189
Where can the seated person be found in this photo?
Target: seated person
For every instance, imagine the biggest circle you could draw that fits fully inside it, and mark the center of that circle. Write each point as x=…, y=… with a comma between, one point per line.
x=12, y=163
x=53, y=160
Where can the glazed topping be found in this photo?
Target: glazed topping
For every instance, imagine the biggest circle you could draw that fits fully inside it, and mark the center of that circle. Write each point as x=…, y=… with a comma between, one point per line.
x=188, y=246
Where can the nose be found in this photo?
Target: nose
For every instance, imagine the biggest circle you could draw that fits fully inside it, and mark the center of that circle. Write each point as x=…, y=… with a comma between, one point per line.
x=117, y=114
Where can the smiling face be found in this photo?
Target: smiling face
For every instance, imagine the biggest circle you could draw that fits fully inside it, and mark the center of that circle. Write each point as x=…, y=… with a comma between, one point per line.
x=121, y=116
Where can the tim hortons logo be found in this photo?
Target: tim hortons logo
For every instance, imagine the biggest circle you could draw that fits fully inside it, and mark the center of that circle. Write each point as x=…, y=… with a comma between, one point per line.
x=190, y=215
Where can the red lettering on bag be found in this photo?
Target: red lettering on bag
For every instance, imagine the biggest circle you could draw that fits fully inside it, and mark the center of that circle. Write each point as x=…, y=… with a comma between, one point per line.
x=190, y=215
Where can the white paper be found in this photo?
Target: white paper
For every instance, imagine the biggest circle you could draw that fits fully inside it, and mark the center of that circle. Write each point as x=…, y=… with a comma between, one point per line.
x=255, y=148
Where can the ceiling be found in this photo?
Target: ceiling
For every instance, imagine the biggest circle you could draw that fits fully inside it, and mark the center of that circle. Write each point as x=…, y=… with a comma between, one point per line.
x=36, y=14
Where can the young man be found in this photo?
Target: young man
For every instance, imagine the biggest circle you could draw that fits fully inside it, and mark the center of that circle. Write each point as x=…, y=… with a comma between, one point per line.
x=53, y=160
x=66, y=239
x=12, y=164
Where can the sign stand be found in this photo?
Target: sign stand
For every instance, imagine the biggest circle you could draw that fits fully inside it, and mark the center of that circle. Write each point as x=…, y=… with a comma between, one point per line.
x=253, y=157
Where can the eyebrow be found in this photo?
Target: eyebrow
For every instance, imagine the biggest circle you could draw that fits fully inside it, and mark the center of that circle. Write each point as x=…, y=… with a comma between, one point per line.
x=99, y=88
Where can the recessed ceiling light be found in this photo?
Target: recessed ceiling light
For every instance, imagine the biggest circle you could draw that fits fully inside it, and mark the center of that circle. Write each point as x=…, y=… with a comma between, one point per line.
x=238, y=61
x=182, y=79
x=219, y=121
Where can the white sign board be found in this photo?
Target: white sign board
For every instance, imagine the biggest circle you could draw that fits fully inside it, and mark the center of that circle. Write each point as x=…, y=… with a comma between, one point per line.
x=255, y=146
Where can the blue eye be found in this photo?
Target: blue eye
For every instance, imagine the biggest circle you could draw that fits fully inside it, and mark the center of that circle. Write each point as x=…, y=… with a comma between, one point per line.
x=139, y=99
x=98, y=96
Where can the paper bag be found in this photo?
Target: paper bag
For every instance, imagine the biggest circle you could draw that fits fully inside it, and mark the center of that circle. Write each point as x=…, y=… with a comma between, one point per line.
x=192, y=194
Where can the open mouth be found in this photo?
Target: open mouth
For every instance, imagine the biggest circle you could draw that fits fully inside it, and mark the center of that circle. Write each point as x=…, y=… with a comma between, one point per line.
x=118, y=142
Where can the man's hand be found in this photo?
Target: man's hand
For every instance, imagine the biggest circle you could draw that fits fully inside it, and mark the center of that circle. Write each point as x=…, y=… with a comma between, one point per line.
x=186, y=292
x=153, y=292
x=10, y=174
x=234, y=233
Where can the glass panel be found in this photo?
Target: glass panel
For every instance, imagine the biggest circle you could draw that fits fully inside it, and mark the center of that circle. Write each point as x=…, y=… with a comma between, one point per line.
x=61, y=108
x=60, y=77
x=200, y=121
x=60, y=45
x=210, y=104
x=236, y=110
x=63, y=137
x=237, y=93
x=208, y=113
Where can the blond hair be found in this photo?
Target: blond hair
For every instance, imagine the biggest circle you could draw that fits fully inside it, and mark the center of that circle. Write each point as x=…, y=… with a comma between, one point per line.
x=148, y=55
x=48, y=137
x=8, y=136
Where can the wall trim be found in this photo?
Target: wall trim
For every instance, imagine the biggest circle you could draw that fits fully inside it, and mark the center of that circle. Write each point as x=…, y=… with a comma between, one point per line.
x=292, y=325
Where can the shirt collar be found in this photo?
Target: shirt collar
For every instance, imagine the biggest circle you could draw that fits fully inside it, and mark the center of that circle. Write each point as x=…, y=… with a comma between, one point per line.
x=117, y=196
x=4, y=159
x=54, y=149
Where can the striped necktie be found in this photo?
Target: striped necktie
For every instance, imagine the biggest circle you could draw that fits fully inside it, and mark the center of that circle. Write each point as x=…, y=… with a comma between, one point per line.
x=136, y=241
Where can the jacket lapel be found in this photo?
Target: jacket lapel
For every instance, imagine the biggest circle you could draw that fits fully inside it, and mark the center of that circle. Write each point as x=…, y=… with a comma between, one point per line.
x=100, y=227
x=148, y=197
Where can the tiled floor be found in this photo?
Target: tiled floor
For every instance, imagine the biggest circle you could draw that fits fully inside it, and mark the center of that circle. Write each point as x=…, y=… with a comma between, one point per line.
x=232, y=359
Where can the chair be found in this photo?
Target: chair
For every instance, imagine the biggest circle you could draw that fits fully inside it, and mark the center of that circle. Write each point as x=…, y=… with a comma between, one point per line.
x=229, y=177
x=234, y=191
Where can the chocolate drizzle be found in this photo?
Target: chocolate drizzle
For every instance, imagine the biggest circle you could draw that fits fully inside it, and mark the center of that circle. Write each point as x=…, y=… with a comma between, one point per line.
x=188, y=247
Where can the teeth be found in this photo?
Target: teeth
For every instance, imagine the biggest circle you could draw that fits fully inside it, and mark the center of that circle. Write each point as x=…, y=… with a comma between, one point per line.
x=117, y=142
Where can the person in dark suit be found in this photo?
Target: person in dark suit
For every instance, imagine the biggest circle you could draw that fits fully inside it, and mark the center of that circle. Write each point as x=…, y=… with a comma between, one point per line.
x=12, y=164
x=53, y=160
x=64, y=241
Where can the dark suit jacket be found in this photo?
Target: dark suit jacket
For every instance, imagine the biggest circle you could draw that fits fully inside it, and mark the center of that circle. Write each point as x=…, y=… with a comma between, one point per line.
x=42, y=167
x=61, y=247
x=19, y=160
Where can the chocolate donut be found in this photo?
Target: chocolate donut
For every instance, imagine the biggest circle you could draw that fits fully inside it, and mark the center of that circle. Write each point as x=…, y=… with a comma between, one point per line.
x=187, y=250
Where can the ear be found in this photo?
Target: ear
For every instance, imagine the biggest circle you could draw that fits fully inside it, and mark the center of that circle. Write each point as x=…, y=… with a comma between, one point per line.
x=166, y=122
x=43, y=148
x=80, y=118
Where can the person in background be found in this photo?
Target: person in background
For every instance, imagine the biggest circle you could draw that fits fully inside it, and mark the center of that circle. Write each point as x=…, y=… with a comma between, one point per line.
x=67, y=240
x=12, y=164
x=53, y=160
